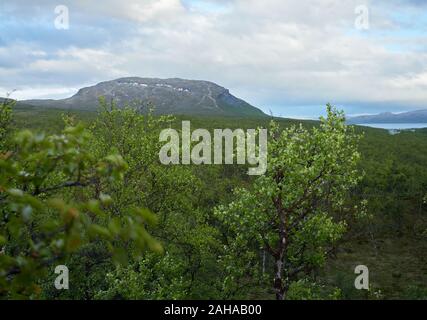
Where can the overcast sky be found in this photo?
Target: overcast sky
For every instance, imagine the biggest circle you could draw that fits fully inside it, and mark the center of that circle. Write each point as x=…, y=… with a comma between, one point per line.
x=287, y=56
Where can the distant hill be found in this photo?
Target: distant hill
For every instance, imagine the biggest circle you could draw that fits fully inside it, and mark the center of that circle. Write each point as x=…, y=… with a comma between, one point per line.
x=18, y=104
x=170, y=96
x=419, y=116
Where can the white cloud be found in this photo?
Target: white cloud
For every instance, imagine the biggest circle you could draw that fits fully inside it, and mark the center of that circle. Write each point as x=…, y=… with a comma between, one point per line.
x=38, y=92
x=271, y=52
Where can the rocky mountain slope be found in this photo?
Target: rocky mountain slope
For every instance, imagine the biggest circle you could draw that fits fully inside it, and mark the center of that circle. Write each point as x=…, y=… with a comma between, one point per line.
x=170, y=96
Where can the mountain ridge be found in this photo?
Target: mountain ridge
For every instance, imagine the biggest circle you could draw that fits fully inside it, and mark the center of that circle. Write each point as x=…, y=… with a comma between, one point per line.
x=417, y=116
x=169, y=96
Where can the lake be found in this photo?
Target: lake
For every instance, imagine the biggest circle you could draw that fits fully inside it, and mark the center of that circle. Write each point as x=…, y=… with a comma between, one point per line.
x=397, y=126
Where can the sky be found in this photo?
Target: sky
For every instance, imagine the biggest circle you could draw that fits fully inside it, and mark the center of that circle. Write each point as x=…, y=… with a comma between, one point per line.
x=287, y=57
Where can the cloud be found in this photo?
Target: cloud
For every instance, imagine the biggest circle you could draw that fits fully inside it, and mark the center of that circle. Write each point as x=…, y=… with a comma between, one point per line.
x=273, y=53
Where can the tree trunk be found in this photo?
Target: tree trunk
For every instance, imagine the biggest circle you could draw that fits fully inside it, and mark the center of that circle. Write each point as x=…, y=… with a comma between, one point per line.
x=263, y=261
x=278, y=281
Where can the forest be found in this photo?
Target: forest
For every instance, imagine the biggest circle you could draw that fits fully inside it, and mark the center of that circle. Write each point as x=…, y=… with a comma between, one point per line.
x=87, y=190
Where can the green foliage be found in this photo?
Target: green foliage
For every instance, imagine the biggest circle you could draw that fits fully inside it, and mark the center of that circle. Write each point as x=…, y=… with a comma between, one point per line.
x=42, y=220
x=304, y=289
x=152, y=277
x=296, y=211
x=206, y=255
x=173, y=192
x=5, y=121
x=415, y=293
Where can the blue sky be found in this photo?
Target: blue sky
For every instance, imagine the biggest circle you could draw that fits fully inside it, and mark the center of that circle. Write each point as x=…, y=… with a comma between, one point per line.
x=287, y=56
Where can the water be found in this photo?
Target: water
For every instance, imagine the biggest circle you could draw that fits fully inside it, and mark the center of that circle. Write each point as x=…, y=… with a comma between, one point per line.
x=395, y=126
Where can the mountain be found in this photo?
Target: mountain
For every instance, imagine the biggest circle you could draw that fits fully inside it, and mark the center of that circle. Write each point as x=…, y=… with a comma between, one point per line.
x=419, y=116
x=20, y=104
x=170, y=96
